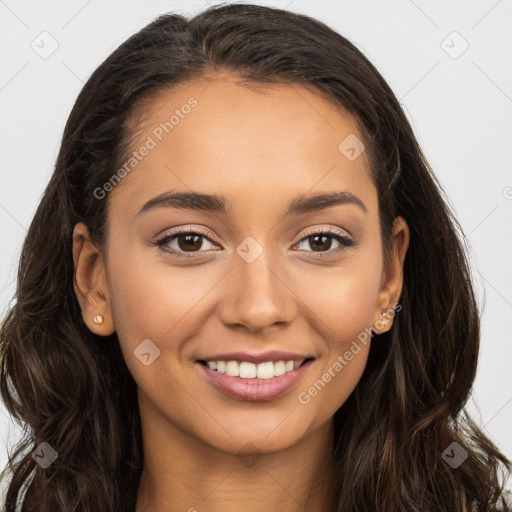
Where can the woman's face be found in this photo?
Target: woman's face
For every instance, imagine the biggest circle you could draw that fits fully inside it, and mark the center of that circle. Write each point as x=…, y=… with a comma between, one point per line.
x=259, y=278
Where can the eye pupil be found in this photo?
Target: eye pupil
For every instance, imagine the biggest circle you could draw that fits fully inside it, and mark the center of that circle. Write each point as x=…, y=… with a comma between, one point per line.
x=323, y=246
x=189, y=244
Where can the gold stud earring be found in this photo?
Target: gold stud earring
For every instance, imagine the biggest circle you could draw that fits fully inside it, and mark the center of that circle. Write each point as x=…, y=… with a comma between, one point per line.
x=384, y=315
x=98, y=319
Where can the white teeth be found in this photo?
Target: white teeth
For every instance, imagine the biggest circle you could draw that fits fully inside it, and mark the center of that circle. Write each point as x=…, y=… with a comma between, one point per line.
x=266, y=370
x=279, y=368
x=247, y=370
x=232, y=369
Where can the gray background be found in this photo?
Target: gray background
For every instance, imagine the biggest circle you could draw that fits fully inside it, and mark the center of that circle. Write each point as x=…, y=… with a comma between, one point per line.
x=458, y=100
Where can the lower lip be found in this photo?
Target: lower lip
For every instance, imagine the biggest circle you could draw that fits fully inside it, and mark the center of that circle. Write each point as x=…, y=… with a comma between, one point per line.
x=255, y=390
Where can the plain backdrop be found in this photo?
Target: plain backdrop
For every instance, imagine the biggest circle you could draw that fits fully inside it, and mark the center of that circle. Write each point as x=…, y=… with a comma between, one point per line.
x=448, y=62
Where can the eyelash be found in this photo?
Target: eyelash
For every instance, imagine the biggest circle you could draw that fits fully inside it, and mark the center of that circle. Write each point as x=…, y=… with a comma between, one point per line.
x=344, y=240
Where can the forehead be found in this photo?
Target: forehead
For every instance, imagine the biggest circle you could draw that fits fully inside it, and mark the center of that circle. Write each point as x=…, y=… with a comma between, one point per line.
x=219, y=135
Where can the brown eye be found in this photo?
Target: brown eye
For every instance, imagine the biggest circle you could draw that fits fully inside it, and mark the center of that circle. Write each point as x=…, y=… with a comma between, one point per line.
x=184, y=241
x=189, y=242
x=321, y=241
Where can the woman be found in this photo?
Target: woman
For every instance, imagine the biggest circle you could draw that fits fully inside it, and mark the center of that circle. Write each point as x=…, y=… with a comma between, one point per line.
x=187, y=337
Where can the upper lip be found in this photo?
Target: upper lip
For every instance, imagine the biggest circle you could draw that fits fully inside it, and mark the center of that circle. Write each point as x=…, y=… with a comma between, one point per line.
x=273, y=355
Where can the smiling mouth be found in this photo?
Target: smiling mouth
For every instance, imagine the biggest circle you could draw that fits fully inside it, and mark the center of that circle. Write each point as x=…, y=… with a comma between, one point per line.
x=247, y=370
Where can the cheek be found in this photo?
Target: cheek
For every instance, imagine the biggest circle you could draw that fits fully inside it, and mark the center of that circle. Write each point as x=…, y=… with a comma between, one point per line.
x=345, y=297
x=150, y=297
x=152, y=301
x=345, y=310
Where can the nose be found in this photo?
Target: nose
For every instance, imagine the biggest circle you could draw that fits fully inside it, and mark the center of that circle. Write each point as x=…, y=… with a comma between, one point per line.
x=257, y=295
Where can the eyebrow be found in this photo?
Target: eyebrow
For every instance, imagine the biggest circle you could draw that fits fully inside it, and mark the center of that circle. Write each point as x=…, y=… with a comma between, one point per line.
x=219, y=204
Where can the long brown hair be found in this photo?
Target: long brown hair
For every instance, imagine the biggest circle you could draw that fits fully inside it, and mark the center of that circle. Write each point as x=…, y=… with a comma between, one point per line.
x=71, y=389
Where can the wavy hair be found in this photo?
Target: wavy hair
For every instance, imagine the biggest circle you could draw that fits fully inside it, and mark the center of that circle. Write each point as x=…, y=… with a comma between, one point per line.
x=72, y=389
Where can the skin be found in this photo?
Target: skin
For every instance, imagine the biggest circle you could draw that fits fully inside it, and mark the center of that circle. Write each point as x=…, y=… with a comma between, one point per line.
x=282, y=140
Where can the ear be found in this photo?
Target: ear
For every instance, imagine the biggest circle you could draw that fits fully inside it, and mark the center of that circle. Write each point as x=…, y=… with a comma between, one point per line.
x=90, y=282
x=392, y=278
